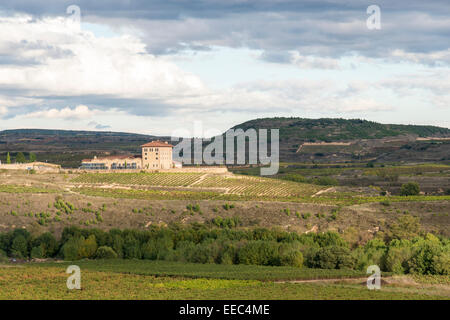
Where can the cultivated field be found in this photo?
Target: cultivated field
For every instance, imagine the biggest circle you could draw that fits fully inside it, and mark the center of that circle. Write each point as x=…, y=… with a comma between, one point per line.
x=138, y=200
x=165, y=280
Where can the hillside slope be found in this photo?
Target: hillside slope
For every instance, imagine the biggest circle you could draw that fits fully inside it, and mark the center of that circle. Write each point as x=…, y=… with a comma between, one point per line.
x=338, y=140
x=329, y=130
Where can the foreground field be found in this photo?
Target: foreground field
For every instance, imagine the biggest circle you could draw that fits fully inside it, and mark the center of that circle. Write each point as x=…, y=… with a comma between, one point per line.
x=156, y=280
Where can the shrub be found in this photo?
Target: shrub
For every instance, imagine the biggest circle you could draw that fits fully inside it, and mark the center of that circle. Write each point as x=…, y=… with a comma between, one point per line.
x=117, y=244
x=37, y=253
x=88, y=247
x=327, y=239
x=397, y=256
x=205, y=252
x=79, y=248
x=406, y=227
x=131, y=248
x=441, y=264
x=422, y=259
x=70, y=250
x=105, y=252
x=290, y=256
x=326, y=181
x=371, y=254
x=193, y=208
x=410, y=189
x=333, y=258
x=385, y=203
x=19, y=247
x=47, y=243
x=226, y=222
x=227, y=206
x=149, y=250
x=259, y=252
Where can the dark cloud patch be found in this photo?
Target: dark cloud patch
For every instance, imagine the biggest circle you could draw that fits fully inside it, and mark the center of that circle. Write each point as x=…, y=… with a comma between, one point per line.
x=330, y=28
x=25, y=52
x=276, y=56
x=7, y=59
x=139, y=107
x=99, y=126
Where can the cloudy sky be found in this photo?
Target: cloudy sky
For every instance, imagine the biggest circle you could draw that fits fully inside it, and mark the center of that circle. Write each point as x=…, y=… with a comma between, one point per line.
x=155, y=66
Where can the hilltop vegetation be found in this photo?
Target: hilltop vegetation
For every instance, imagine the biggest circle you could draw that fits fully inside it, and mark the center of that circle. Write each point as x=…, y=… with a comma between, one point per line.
x=329, y=130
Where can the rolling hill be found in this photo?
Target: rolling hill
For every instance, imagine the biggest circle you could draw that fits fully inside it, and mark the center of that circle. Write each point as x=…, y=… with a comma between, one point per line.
x=301, y=140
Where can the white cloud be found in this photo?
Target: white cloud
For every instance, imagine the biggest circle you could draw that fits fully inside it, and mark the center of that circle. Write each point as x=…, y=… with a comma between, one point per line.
x=86, y=65
x=311, y=62
x=79, y=112
x=80, y=64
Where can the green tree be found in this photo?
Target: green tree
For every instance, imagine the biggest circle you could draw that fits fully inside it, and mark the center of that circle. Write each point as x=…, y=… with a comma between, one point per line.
x=32, y=157
x=333, y=258
x=105, y=252
x=20, y=158
x=8, y=158
x=88, y=248
x=47, y=243
x=410, y=189
x=19, y=247
x=406, y=227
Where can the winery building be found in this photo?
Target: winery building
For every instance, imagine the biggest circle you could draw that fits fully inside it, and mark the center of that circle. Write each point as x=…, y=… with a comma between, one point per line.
x=154, y=155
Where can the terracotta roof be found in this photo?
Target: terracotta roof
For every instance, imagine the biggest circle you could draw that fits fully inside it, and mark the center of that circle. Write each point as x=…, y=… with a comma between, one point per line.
x=157, y=143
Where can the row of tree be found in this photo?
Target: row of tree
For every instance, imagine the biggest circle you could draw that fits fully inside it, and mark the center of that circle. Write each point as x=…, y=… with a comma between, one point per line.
x=423, y=254
x=20, y=158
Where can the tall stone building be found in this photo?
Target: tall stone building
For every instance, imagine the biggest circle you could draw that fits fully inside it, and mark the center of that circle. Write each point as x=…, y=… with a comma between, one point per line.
x=157, y=155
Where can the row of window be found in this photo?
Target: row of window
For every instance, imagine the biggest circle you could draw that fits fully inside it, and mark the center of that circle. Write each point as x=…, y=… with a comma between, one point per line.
x=93, y=166
x=151, y=149
x=124, y=166
x=114, y=166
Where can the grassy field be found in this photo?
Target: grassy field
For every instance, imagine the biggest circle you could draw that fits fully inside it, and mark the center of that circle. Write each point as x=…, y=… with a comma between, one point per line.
x=157, y=280
x=213, y=271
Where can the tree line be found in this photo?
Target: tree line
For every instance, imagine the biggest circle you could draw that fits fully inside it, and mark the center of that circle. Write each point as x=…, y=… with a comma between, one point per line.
x=20, y=158
x=198, y=243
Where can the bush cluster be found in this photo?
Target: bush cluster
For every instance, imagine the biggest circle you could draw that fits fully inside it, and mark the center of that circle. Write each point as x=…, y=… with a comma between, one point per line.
x=198, y=243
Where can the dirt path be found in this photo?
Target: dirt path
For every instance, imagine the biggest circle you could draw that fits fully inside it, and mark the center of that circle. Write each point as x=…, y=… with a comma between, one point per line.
x=323, y=191
x=202, y=177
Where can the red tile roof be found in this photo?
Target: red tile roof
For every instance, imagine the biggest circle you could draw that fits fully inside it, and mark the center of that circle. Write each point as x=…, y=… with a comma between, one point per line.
x=157, y=143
